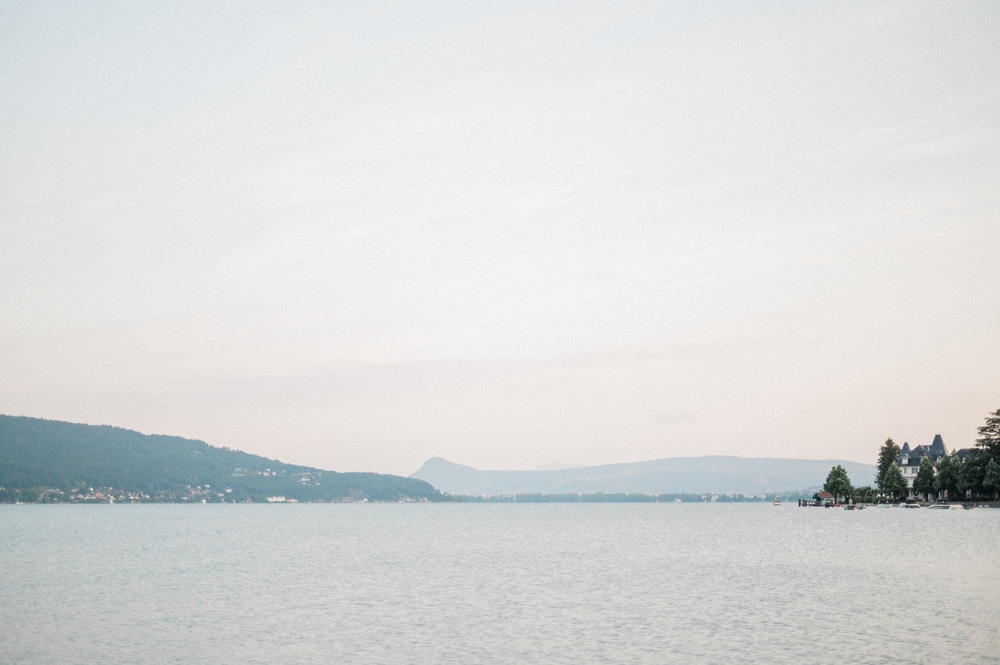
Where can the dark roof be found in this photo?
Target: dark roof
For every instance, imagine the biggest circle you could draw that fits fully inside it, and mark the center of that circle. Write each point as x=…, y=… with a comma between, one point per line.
x=822, y=495
x=912, y=455
x=935, y=451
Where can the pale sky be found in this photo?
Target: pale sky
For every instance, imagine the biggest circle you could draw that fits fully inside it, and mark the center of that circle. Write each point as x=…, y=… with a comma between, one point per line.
x=358, y=235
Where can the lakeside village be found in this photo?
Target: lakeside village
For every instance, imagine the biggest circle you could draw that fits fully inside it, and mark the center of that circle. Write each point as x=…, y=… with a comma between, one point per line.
x=924, y=476
x=199, y=494
x=190, y=494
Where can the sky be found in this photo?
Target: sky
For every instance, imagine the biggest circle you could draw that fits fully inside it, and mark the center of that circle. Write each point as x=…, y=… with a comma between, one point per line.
x=357, y=235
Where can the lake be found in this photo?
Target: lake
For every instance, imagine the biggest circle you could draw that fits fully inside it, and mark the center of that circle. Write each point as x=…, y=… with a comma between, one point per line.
x=497, y=583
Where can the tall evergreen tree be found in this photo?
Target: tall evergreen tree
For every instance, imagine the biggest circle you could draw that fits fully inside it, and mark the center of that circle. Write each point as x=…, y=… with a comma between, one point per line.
x=893, y=484
x=924, y=482
x=989, y=437
x=991, y=481
x=947, y=476
x=887, y=454
x=970, y=475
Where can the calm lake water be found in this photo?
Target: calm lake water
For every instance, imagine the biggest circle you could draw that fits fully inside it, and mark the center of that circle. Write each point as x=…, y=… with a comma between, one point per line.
x=541, y=583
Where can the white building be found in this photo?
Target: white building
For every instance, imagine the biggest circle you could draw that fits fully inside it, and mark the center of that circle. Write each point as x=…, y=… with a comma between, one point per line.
x=909, y=460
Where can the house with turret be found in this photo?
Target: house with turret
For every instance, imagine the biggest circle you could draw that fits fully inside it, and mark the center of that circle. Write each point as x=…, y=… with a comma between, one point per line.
x=909, y=459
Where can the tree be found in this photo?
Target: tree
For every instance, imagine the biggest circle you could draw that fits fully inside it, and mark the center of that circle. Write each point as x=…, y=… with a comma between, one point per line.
x=893, y=484
x=924, y=482
x=947, y=475
x=991, y=481
x=865, y=495
x=989, y=437
x=970, y=475
x=838, y=484
x=887, y=454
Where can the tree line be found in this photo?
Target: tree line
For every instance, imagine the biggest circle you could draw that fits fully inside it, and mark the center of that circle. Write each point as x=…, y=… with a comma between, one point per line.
x=974, y=476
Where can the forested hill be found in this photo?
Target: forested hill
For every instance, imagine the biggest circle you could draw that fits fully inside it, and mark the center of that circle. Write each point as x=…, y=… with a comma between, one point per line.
x=47, y=460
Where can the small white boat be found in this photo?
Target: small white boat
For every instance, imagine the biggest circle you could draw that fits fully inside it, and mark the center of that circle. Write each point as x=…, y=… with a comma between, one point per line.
x=944, y=506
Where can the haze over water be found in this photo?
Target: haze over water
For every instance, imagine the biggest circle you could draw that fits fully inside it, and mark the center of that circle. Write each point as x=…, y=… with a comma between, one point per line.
x=654, y=583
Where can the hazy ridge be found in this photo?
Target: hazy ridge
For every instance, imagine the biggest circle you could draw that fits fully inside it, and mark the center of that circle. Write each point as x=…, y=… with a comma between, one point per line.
x=717, y=474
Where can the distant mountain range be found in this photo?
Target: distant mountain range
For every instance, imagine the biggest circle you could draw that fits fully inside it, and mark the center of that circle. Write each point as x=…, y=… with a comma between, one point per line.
x=711, y=474
x=53, y=461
